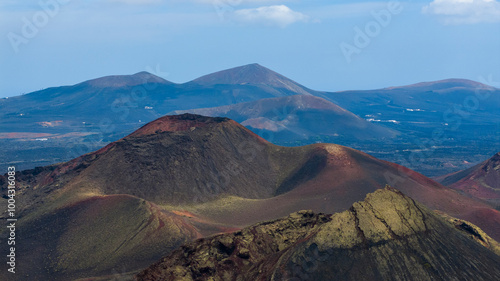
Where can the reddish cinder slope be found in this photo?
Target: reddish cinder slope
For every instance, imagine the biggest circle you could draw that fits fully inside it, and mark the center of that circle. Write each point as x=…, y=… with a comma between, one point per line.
x=345, y=176
x=97, y=235
x=176, y=123
x=215, y=175
x=189, y=159
x=481, y=181
x=388, y=236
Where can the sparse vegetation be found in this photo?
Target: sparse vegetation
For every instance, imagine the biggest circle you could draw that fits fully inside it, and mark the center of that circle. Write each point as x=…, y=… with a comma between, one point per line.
x=209, y=176
x=383, y=232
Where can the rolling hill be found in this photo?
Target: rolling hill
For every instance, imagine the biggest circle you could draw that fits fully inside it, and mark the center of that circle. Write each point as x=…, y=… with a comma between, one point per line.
x=462, y=108
x=299, y=117
x=72, y=120
x=445, y=125
x=429, y=97
x=143, y=96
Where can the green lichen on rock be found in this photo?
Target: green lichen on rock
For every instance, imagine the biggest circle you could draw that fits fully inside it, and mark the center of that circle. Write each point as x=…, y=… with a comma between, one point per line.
x=388, y=236
x=473, y=231
x=227, y=256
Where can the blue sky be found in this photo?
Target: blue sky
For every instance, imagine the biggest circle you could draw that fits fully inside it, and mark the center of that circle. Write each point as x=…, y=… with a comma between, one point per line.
x=324, y=45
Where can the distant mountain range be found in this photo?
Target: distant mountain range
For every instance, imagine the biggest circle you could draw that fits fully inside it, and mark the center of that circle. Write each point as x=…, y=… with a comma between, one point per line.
x=142, y=96
x=395, y=124
x=179, y=177
x=430, y=102
x=121, y=189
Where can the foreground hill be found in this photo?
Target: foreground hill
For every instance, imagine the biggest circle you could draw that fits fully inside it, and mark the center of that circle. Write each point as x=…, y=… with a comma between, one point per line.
x=481, y=181
x=94, y=236
x=388, y=236
x=179, y=177
x=299, y=117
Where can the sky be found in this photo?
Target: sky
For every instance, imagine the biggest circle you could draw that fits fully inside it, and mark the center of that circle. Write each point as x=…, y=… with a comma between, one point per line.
x=324, y=45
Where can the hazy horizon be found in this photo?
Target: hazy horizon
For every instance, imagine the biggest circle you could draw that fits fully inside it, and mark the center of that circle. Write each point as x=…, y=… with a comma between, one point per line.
x=325, y=46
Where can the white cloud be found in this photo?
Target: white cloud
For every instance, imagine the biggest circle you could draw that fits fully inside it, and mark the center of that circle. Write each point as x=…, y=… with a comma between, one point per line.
x=279, y=15
x=235, y=2
x=464, y=11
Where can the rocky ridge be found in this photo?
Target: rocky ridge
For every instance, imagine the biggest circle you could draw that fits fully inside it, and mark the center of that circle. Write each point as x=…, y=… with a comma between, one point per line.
x=388, y=236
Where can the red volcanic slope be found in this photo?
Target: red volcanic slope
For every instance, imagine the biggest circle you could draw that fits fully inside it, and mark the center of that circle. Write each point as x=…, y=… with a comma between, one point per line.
x=176, y=123
x=349, y=175
x=189, y=162
x=481, y=181
x=94, y=235
x=169, y=123
x=203, y=158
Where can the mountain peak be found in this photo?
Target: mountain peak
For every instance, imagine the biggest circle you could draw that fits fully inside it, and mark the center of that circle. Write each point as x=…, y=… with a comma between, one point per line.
x=178, y=123
x=254, y=65
x=496, y=157
x=116, y=81
x=254, y=74
x=480, y=181
x=492, y=164
x=247, y=74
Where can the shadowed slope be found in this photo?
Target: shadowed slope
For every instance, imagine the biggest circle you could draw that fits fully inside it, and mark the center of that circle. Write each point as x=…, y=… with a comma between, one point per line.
x=298, y=117
x=341, y=177
x=481, y=181
x=201, y=169
x=97, y=235
x=188, y=159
